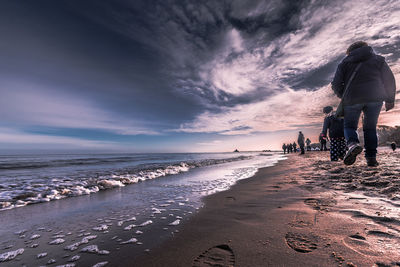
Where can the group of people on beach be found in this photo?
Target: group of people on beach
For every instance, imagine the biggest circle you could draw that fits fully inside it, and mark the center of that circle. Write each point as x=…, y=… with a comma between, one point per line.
x=290, y=148
x=363, y=80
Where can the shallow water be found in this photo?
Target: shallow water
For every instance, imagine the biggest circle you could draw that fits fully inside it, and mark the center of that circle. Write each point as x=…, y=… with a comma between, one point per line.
x=30, y=179
x=130, y=219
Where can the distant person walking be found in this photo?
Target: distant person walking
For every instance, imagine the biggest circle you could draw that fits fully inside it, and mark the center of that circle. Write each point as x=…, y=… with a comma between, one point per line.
x=284, y=148
x=372, y=84
x=300, y=141
x=322, y=142
x=294, y=147
x=336, y=134
x=290, y=147
x=308, y=142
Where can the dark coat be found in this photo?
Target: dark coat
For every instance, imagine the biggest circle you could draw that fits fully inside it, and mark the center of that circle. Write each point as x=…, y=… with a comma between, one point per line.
x=300, y=140
x=374, y=81
x=335, y=126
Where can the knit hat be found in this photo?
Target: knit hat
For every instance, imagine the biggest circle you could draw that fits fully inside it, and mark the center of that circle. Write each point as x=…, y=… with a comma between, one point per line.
x=327, y=109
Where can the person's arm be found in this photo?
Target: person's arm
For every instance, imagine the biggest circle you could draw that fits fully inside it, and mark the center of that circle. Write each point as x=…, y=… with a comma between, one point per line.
x=326, y=126
x=338, y=81
x=389, y=83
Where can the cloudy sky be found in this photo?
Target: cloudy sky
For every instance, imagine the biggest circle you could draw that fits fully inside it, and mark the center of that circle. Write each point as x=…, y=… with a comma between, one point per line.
x=164, y=75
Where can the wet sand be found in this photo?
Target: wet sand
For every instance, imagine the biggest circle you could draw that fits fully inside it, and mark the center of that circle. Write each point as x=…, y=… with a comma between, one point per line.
x=305, y=211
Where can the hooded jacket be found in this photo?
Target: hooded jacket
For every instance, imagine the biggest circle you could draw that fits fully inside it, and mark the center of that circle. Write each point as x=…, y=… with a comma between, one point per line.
x=374, y=81
x=335, y=126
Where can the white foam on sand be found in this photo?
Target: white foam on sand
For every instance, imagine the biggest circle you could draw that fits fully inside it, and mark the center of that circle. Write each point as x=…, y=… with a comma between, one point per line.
x=41, y=255
x=95, y=249
x=130, y=241
x=157, y=211
x=131, y=219
x=57, y=241
x=11, y=255
x=84, y=240
x=146, y=223
x=74, y=258
x=129, y=227
x=102, y=227
x=100, y=264
x=20, y=232
x=67, y=265
x=176, y=222
x=34, y=237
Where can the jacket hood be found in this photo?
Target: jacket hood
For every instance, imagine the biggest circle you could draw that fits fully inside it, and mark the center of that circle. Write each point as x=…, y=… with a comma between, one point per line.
x=360, y=54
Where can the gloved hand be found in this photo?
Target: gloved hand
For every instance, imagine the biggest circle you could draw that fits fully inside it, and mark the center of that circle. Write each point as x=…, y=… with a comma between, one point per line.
x=389, y=105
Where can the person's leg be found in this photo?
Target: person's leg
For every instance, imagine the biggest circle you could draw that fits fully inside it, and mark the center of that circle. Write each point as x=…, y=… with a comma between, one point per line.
x=334, y=150
x=371, y=114
x=342, y=147
x=351, y=118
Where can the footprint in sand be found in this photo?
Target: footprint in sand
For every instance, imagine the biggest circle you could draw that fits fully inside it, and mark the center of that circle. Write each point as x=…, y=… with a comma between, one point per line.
x=320, y=204
x=230, y=198
x=381, y=234
x=301, y=243
x=358, y=243
x=218, y=256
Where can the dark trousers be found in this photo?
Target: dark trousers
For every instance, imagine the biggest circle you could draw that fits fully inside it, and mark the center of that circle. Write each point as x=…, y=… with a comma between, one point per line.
x=351, y=117
x=338, y=148
x=302, y=149
x=323, y=146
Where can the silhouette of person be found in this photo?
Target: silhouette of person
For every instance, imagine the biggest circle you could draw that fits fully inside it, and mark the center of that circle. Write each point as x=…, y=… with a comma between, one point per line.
x=300, y=141
x=322, y=141
x=308, y=142
x=284, y=148
x=294, y=147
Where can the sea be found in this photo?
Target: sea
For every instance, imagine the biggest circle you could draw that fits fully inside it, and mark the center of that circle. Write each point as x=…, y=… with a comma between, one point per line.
x=32, y=179
x=60, y=198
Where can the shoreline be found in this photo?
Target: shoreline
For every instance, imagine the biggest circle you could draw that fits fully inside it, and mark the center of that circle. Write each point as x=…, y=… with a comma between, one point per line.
x=146, y=214
x=286, y=216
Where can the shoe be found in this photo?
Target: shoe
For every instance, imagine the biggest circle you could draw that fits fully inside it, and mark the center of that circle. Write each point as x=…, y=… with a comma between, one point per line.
x=351, y=155
x=371, y=162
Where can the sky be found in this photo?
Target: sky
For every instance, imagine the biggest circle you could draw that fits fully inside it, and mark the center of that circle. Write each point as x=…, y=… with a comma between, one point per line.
x=178, y=76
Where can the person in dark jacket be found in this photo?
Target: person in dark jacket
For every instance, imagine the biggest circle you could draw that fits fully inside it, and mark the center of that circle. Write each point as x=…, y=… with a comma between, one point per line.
x=290, y=147
x=372, y=84
x=284, y=148
x=336, y=134
x=300, y=141
x=294, y=147
x=308, y=142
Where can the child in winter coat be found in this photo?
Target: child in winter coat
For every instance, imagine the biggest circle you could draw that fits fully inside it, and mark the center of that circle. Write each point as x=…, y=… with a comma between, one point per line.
x=336, y=134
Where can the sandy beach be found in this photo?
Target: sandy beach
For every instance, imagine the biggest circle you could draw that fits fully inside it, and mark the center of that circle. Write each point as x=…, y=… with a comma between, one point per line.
x=305, y=211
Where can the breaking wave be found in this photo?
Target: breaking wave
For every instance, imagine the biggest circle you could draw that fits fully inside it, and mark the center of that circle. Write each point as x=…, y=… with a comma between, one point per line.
x=16, y=193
